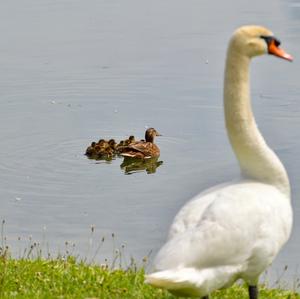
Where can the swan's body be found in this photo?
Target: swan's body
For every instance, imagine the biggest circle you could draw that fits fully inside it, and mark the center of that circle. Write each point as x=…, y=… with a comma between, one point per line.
x=233, y=230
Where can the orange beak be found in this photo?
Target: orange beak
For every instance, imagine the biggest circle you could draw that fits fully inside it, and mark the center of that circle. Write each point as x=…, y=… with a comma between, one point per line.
x=275, y=50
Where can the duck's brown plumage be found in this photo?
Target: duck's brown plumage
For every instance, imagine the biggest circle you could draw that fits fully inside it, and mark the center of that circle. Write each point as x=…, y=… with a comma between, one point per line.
x=143, y=149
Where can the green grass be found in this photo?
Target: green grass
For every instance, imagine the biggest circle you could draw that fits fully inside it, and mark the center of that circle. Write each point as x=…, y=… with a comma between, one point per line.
x=38, y=274
x=67, y=278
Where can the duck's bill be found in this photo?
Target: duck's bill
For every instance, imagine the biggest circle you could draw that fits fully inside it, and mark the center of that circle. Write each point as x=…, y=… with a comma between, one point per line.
x=275, y=50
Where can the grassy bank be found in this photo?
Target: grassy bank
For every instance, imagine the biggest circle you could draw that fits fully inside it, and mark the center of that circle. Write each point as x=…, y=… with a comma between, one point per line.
x=38, y=274
x=66, y=278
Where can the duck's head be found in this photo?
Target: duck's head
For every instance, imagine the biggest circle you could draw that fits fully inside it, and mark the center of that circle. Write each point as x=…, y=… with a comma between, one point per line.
x=150, y=134
x=256, y=40
x=112, y=142
x=101, y=142
x=131, y=138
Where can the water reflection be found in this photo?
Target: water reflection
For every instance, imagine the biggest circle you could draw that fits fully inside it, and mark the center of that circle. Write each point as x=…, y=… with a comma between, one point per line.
x=103, y=152
x=132, y=165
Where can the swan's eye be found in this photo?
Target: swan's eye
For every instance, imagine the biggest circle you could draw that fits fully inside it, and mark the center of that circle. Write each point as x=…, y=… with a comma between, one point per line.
x=277, y=42
x=269, y=39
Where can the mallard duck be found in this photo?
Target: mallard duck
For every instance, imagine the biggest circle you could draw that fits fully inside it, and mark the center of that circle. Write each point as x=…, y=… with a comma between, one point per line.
x=143, y=149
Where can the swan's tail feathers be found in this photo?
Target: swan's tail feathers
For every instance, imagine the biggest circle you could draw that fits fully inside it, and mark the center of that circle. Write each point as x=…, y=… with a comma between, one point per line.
x=193, y=282
x=185, y=281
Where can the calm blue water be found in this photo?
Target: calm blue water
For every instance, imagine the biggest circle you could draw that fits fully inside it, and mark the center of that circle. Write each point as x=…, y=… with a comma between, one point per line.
x=74, y=71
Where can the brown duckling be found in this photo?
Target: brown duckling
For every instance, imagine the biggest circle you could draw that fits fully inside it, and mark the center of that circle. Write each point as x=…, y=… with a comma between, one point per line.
x=120, y=146
x=103, y=143
x=98, y=148
x=105, y=154
x=90, y=149
x=130, y=140
x=102, y=150
x=143, y=149
x=112, y=144
x=123, y=143
x=109, y=153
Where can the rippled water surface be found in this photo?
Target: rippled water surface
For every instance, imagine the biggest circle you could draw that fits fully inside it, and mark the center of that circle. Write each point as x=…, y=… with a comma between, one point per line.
x=74, y=71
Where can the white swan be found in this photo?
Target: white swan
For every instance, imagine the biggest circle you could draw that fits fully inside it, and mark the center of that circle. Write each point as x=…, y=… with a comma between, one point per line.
x=233, y=230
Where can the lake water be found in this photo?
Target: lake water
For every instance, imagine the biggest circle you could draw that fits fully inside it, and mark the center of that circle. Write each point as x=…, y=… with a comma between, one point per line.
x=74, y=71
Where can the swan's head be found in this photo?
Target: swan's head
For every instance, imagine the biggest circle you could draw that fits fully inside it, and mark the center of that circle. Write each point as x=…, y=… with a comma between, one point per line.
x=253, y=41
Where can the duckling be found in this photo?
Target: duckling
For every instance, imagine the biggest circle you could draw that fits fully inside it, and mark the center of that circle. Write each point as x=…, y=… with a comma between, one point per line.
x=130, y=140
x=112, y=144
x=120, y=146
x=90, y=149
x=109, y=153
x=143, y=149
x=102, y=150
x=102, y=143
x=102, y=153
x=123, y=143
x=98, y=148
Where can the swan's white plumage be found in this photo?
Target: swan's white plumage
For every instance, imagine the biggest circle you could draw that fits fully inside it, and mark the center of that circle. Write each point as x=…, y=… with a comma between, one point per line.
x=223, y=237
x=234, y=230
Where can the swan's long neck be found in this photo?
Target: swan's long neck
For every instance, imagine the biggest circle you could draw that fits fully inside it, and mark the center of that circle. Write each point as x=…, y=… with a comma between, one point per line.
x=257, y=160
